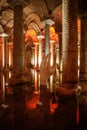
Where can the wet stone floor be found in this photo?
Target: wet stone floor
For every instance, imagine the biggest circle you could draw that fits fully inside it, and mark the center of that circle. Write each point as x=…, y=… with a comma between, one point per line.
x=23, y=108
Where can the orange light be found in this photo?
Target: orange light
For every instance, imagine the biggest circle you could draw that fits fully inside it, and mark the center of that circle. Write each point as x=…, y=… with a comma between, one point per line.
x=31, y=32
x=53, y=35
x=52, y=30
x=53, y=106
x=32, y=103
x=30, y=35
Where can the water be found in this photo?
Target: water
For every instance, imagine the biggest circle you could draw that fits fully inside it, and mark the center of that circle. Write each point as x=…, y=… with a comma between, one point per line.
x=25, y=107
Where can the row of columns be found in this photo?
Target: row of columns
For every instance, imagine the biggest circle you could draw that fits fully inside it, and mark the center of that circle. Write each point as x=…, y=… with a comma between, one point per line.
x=69, y=44
x=69, y=52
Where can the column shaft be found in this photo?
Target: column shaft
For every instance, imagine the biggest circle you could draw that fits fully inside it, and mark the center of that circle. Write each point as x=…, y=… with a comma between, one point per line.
x=47, y=39
x=69, y=45
x=18, y=46
x=83, y=50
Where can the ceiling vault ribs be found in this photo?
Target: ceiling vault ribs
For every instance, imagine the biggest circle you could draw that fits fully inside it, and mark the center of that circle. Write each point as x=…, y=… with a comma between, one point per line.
x=49, y=11
x=36, y=11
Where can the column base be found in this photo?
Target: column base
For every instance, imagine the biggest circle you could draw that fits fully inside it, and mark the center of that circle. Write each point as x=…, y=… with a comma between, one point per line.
x=5, y=69
x=20, y=79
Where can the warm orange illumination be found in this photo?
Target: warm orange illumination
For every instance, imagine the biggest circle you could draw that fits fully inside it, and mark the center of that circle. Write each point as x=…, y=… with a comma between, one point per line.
x=30, y=35
x=79, y=25
x=53, y=106
x=52, y=30
x=30, y=32
x=36, y=43
x=32, y=103
x=36, y=81
x=53, y=35
x=36, y=55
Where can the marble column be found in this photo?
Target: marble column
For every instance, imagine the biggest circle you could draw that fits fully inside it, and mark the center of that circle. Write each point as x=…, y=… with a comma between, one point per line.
x=69, y=44
x=47, y=39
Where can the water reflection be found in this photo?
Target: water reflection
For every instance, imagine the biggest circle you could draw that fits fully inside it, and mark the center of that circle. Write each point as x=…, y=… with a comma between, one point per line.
x=3, y=87
x=36, y=108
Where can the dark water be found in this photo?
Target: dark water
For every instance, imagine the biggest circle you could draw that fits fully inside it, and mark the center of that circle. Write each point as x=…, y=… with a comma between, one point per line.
x=23, y=106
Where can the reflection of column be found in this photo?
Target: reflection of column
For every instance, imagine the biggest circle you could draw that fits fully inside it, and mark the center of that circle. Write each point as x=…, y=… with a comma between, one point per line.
x=36, y=81
x=52, y=42
x=4, y=89
x=51, y=84
x=4, y=105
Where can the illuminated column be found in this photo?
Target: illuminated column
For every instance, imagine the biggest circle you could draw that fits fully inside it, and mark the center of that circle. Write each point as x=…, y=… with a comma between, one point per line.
x=52, y=42
x=40, y=37
x=47, y=35
x=36, y=55
x=3, y=87
x=3, y=35
x=10, y=54
x=69, y=44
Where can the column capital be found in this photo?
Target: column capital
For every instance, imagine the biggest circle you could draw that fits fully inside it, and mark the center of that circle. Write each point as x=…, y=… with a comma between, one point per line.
x=17, y=2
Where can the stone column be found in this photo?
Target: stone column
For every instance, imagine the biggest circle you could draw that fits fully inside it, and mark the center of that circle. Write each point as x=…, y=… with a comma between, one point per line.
x=4, y=53
x=82, y=14
x=10, y=55
x=47, y=39
x=83, y=50
x=4, y=39
x=60, y=58
x=18, y=43
x=69, y=44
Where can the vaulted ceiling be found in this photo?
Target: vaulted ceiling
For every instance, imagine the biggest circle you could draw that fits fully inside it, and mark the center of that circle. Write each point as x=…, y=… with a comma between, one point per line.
x=34, y=14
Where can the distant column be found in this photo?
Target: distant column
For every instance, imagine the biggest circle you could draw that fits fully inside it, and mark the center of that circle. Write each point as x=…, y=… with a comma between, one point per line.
x=4, y=38
x=47, y=39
